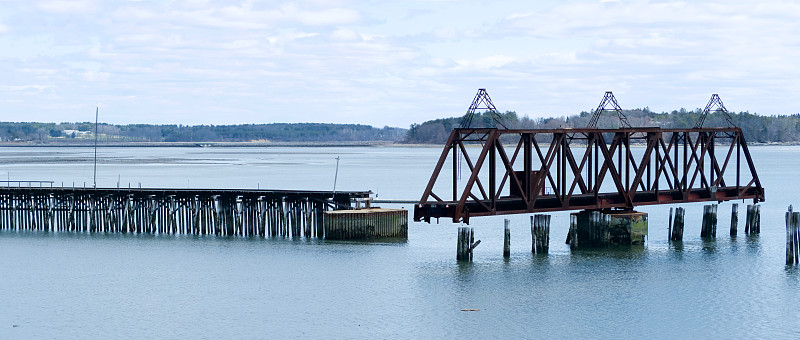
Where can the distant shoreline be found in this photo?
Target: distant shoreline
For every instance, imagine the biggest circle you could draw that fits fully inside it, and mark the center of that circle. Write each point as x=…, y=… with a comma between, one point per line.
x=267, y=144
x=199, y=144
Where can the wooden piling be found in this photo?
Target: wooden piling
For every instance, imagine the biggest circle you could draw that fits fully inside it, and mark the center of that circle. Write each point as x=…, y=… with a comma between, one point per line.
x=669, y=224
x=677, y=226
x=752, y=224
x=572, y=239
x=713, y=220
x=709, y=226
x=462, y=247
x=507, y=238
x=758, y=219
x=472, y=243
x=540, y=234
x=792, y=237
x=734, y=219
x=748, y=220
x=704, y=227
x=466, y=244
x=796, y=237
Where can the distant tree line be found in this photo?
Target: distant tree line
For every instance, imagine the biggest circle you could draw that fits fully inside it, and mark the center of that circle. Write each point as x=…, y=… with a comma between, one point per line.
x=757, y=128
x=278, y=132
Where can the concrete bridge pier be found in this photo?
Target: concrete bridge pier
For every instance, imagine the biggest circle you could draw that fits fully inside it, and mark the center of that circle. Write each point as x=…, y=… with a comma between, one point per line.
x=601, y=228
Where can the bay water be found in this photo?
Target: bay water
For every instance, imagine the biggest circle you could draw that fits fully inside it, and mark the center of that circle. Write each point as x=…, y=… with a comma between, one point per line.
x=76, y=285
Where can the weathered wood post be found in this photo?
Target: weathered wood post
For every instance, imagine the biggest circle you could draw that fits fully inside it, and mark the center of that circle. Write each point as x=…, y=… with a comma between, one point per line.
x=469, y=243
x=748, y=222
x=546, y=238
x=709, y=228
x=572, y=240
x=704, y=227
x=734, y=219
x=677, y=226
x=507, y=238
x=796, y=237
x=466, y=244
x=791, y=231
x=540, y=234
x=748, y=214
x=669, y=226
x=462, y=249
x=533, y=234
x=713, y=220
x=758, y=219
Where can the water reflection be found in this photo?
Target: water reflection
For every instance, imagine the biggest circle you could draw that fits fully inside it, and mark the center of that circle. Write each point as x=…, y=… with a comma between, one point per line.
x=677, y=250
x=631, y=252
x=709, y=245
x=792, y=272
x=465, y=269
x=734, y=245
x=753, y=244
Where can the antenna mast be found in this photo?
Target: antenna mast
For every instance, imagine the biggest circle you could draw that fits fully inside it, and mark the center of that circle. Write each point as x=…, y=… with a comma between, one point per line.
x=96, y=115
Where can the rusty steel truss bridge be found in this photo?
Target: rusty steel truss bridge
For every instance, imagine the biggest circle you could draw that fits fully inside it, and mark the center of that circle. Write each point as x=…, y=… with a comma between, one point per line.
x=495, y=171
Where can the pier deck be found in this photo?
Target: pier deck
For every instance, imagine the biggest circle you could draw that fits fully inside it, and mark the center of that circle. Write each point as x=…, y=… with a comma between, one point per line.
x=223, y=212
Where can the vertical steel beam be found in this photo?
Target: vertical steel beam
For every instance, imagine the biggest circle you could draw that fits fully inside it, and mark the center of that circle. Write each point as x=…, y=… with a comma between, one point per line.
x=528, y=166
x=456, y=164
x=493, y=172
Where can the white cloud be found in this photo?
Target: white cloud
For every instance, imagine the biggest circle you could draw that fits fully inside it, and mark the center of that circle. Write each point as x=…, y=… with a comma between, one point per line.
x=344, y=34
x=490, y=62
x=446, y=33
x=67, y=6
x=96, y=76
x=22, y=88
x=197, y=61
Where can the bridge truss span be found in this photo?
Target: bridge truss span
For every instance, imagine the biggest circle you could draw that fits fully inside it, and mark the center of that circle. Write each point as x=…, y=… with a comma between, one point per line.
x=508, y=171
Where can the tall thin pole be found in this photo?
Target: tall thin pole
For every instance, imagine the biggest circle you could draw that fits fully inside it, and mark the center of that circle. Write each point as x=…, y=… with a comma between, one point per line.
x=336, y=176
x=96, y=115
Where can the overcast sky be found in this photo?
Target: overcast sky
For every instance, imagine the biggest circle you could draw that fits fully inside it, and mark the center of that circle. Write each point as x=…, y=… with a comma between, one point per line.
x=388, y=62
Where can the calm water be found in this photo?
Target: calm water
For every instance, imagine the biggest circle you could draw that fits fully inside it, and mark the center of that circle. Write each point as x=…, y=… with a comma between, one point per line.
x=128, y=286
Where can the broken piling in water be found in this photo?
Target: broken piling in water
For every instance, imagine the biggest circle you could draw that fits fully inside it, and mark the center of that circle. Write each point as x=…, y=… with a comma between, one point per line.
x=752, y=224
x=506, y=238
x=709, y=226
x=466, y=244
x=677, y=225
x=540, y=234
x=792, y=237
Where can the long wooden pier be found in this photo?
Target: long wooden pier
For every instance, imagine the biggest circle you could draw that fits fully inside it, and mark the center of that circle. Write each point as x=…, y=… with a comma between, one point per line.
x=222, y=212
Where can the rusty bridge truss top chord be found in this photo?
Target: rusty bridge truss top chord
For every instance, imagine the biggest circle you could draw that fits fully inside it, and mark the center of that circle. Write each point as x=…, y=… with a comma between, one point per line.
x=571, y=169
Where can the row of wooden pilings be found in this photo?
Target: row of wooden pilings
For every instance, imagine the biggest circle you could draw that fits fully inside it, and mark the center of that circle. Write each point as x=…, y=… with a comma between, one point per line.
x=540, y=230
x=708, y=228
x=226, y=214
x=540, y=238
